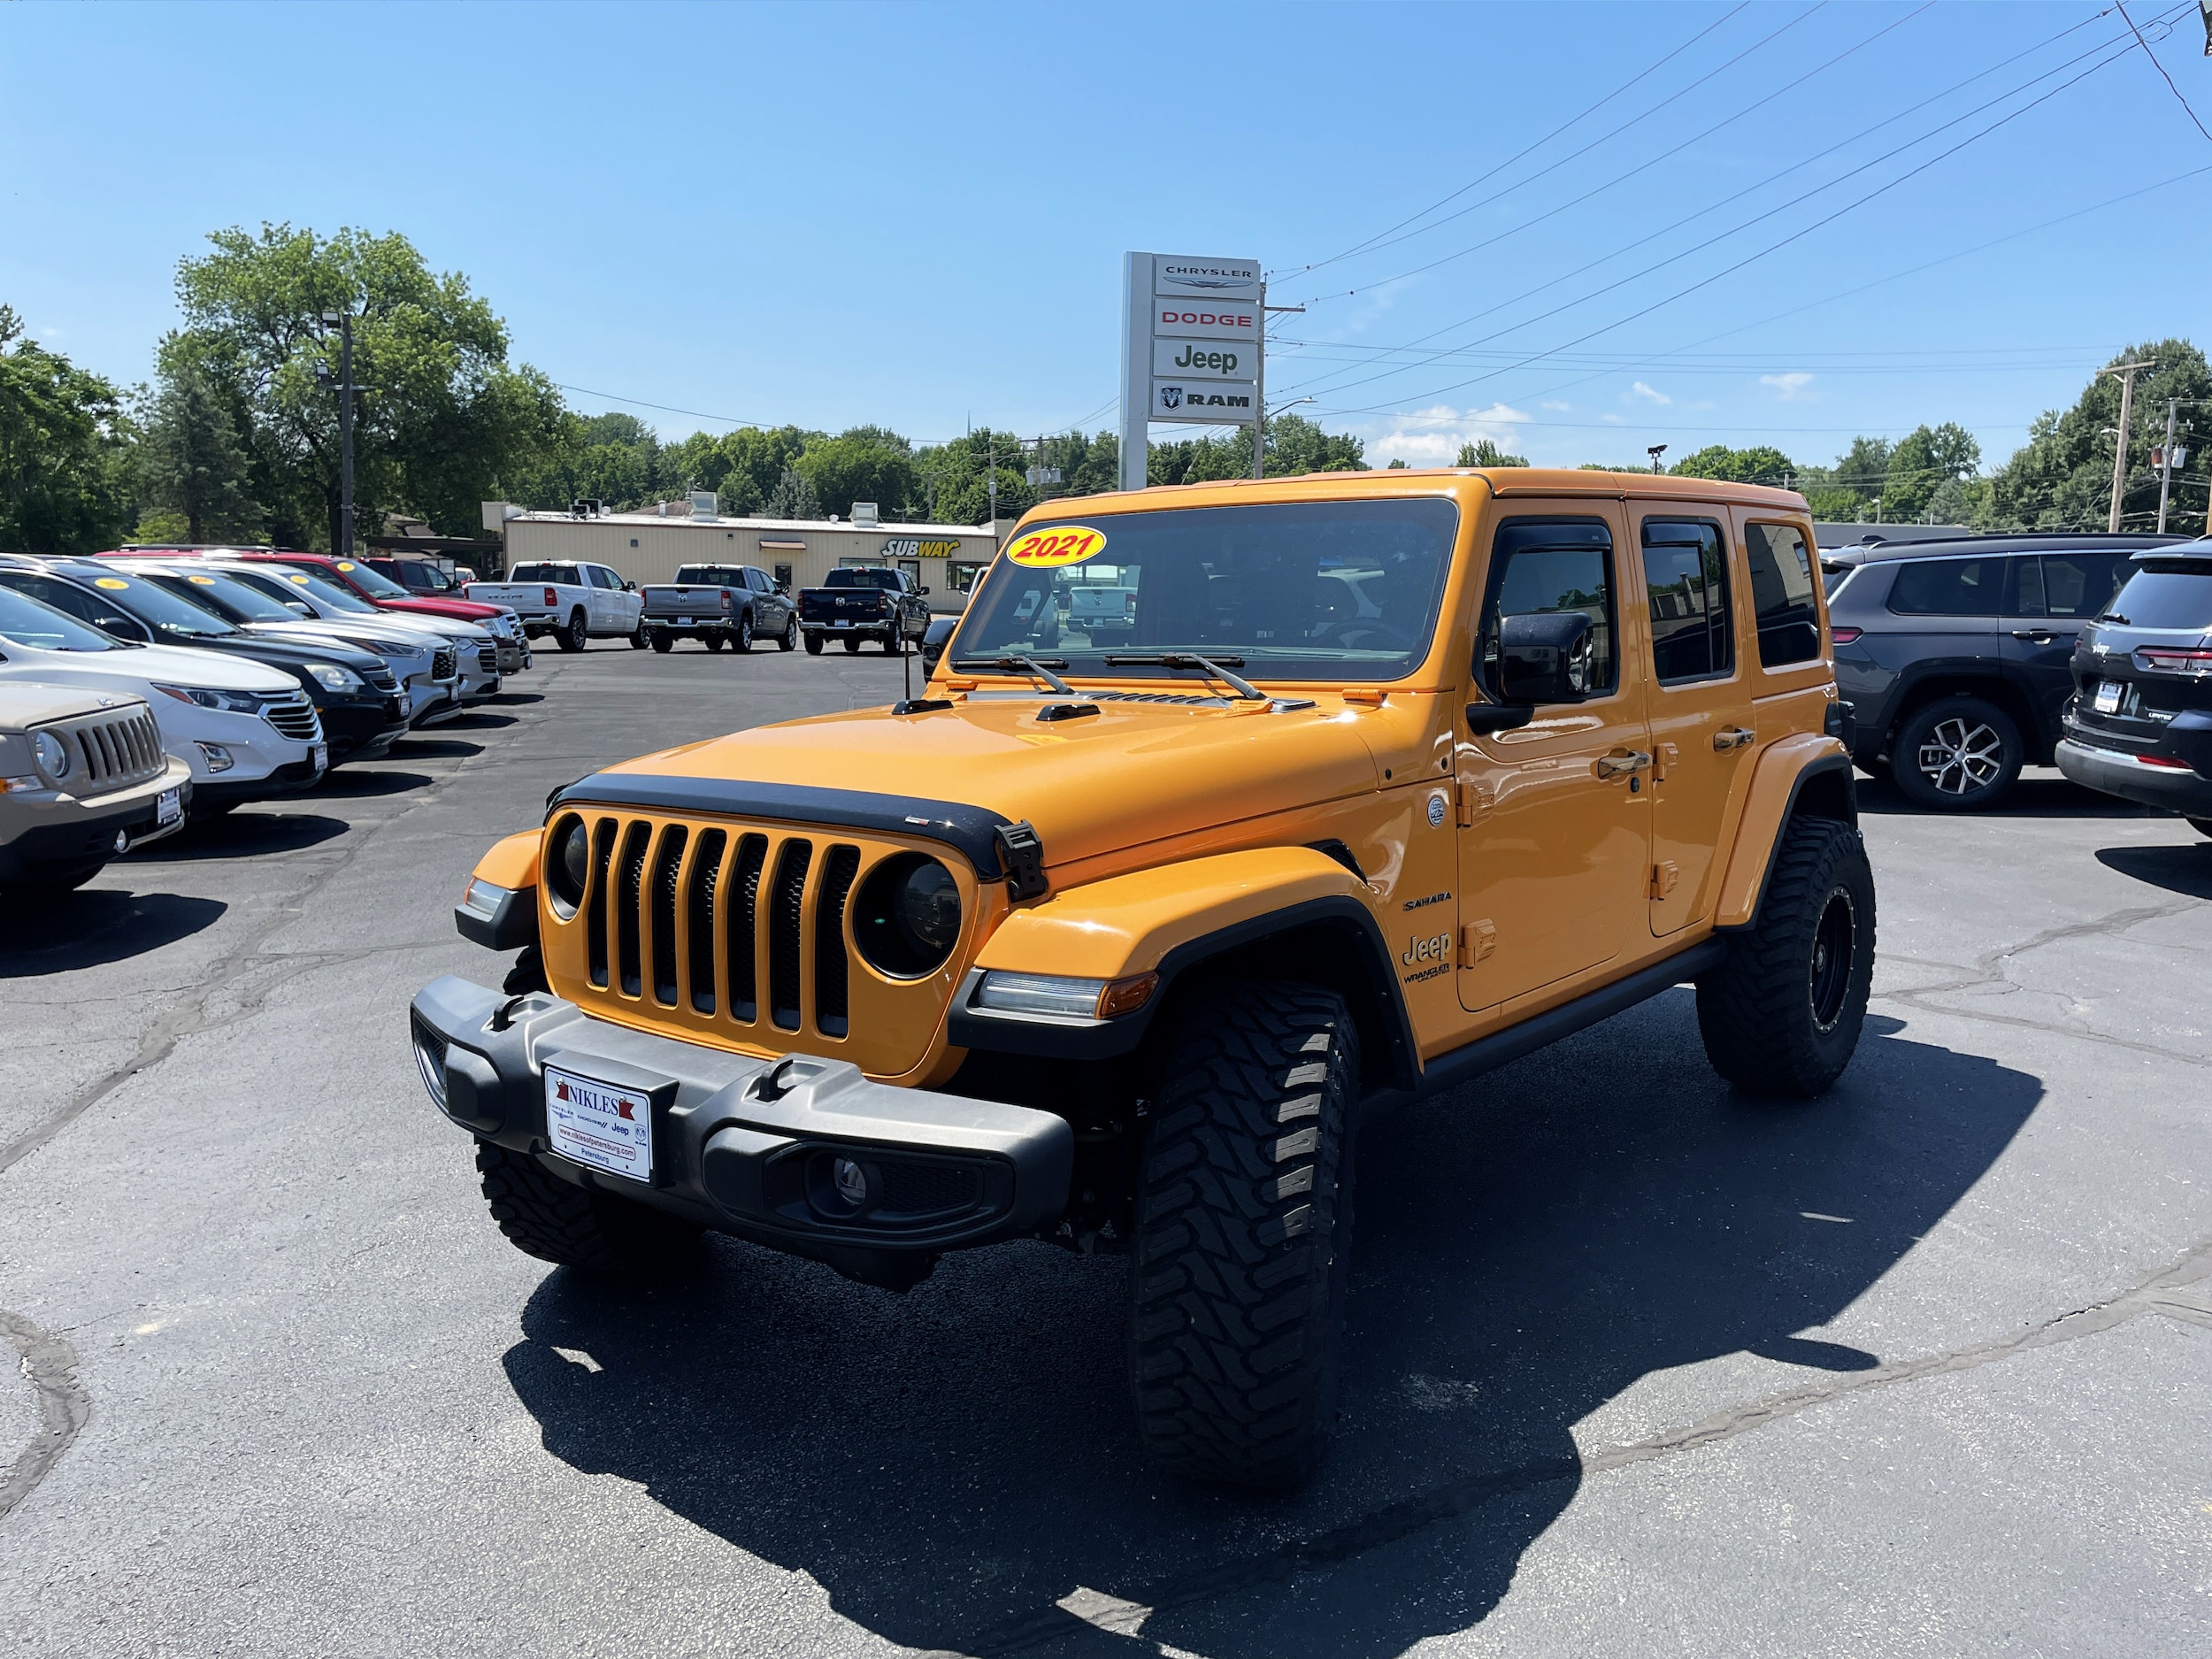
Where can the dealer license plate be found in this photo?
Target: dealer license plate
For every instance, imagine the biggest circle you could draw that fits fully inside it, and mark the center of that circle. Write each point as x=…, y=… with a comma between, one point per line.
x=2109, y=696
x=168, y=808
x=599, y=1125
x=320, y=755
x=683, y=622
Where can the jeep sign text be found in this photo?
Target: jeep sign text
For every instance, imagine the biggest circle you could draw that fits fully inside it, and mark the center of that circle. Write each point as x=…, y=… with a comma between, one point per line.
x=1189, y=358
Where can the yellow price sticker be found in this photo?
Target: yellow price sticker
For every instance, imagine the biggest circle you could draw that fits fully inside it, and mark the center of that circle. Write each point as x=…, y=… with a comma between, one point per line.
x=200, y=581
x=300, y=580
x=345, y=565
x=116, y=583
x=1062, y=544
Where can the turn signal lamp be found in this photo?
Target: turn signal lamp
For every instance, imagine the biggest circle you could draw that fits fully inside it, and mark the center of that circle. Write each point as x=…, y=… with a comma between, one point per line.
x=1845, y=636
x=1057, y=997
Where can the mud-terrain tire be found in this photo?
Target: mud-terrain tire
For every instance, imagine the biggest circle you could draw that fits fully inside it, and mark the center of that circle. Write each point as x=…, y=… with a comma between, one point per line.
x=813, y=645
x=1243, y=1223
x=556, y=1221
x=577, y=635
x=788, y=641
x=664, y=642
x=1957, y=755
x=1782, y=1013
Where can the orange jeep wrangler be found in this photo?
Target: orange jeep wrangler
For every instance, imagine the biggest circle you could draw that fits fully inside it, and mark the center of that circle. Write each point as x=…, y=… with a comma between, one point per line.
x=1232, y=811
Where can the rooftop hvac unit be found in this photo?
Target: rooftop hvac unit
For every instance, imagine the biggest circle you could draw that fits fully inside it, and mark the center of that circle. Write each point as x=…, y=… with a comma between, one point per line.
x=866, y=516
x=702, y=504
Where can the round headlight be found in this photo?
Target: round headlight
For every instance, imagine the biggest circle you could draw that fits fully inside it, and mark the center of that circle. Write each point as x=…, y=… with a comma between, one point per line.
x=568, y=868
x=51, y=754
x=906, y=916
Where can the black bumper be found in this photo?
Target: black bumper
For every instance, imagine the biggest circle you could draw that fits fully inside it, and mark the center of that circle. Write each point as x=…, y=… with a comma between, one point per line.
x=287, y=779
x=747, y=1145
x=2188, y=792
x=361, y=729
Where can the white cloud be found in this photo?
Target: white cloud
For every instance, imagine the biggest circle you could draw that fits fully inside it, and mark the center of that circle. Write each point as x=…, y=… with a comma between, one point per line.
x=1788, y=386
x=1650, y=394
x=1558, y=408
x=1431, y=436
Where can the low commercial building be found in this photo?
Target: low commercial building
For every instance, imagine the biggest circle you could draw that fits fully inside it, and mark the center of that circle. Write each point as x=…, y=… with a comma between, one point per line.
x=647, y=547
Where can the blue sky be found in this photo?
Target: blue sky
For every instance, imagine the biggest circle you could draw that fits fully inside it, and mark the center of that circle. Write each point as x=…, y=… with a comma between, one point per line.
x=914, y=215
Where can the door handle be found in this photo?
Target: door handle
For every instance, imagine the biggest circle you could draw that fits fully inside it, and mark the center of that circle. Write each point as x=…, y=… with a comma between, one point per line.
x=2039, y=636
x=1732, y=737
x=1621, y=765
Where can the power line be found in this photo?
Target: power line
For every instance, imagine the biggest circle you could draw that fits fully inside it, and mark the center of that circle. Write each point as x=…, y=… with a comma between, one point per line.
x=2162, y=75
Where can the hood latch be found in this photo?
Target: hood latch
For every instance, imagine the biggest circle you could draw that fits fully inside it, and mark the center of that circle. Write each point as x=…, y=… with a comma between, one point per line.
x=1024, y=856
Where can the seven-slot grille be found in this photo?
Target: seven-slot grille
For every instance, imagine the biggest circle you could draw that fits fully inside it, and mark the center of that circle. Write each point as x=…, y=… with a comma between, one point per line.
x=294, y=717
x=487, y=658
x=445, y=662
x=746, y=926
x=112, y=751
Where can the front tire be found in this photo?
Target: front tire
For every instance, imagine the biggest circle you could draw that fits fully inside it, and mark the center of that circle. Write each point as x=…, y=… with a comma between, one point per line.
x=1782, y=1014
x=1243, y=1224
x=637, y=638
x=789, y=639
x=1957, y=755
x=577, y=635
x=574, y=1227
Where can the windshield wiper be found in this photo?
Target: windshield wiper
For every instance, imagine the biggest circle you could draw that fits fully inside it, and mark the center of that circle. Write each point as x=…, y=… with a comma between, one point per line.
x=1213, y=666
x=1024, y=665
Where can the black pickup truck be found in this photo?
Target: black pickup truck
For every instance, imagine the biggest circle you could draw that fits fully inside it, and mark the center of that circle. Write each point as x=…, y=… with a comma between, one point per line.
x=871, y=603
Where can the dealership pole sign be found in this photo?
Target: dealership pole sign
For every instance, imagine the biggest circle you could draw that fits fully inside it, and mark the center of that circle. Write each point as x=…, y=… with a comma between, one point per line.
x=1192, y=347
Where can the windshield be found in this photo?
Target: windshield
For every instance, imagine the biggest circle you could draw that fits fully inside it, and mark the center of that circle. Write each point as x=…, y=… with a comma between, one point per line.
x=2171, y=593
x=375, y=586
x=1296, y=590
x=34, y=623
x=560, y=575
x=232, y=601
x=856, y=578
x=164, y=612
x=323, y=593
x=711, y=575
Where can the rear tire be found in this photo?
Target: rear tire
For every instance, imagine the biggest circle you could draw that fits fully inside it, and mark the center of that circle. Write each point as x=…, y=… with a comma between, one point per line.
x=663, y=643
x=1957, y=755
x=852, y=645
x=813, y=645
x=712, y=641
x=1243, y=1224
x=577, y=635
x=574, y=1227
x=1781, y=1016
x=788, y=641
x=743, y=644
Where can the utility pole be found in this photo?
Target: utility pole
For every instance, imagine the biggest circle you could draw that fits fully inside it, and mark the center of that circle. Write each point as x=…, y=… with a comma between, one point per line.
x=1259, y=387
x=990, y=448
x=343, y=322
x=2166, y=463
x=2127, y=372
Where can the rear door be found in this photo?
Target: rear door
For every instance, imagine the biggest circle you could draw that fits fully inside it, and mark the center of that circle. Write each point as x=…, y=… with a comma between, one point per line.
x=1554, y=838
x=2052, y=597
x=1702, y=722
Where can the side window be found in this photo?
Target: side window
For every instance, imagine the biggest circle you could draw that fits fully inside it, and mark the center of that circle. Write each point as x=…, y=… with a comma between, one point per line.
x=755, y=580
x=1782, y=593
x=1550, y=565
x=2076, y=585
x=1949, y=588
x=1686, y=575
x=63, y=597
x=603, y=577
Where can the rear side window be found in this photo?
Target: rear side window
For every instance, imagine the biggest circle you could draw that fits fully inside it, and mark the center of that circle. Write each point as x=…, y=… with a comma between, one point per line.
x=561, y=575
x=1782, y=593
x=1685, y=577
x=1551, y=564
x=1949, y=588
x=2067, y=584
x=2170, y=593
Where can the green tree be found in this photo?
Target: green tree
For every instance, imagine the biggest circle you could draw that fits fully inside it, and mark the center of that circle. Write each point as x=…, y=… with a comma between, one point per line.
x=2061, y=478
x=757, y=457
x=867, y=463
x=64, y=451
x=793, y=497
x=190, y=464
x=441, y=420
x=1483, y=452
x=957, y=478
x=1761, y=465
x=1922, y=460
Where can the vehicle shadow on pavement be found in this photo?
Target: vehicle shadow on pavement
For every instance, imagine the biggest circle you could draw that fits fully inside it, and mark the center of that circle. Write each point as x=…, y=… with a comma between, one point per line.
x=949, y=1466
x=434, y=748
x=2183, y=869
x=354, y=784
x=92, y=929
x=2047, y=795
x=245, y=835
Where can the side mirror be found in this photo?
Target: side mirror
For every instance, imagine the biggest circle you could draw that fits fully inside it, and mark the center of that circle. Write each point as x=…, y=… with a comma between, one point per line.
x=1549, y=657
x=301, y=606
x=126, y=628
x=629, y=587
x=924, y=593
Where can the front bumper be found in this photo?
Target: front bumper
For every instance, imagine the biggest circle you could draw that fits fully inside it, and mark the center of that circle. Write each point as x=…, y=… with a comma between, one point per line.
x=59, y=833
x=2114, y=772
x=289, y=779
x=747, y=1145
x=361, y=728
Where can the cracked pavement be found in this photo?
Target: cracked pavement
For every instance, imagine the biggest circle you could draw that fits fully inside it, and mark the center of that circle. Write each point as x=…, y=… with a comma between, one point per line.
x=1634, y=1365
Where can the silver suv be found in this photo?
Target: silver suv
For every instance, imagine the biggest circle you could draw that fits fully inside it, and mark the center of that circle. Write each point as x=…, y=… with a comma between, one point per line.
x=83, y=778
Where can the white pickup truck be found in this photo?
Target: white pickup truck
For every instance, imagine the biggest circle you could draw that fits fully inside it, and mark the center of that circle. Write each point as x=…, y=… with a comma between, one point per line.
x=574, y=602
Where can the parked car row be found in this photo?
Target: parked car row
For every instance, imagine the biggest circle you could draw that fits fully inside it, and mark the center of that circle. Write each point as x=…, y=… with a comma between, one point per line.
x=146, y=686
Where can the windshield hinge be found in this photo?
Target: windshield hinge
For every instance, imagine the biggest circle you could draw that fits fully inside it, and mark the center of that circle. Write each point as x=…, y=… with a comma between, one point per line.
x=1025, y=858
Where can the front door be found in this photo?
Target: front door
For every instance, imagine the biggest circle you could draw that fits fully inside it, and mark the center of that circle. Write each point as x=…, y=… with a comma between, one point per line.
x=1554, y=816
x=1701, y=719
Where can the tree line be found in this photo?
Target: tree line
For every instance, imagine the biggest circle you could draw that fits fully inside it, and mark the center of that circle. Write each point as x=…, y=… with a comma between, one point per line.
x=237, y=440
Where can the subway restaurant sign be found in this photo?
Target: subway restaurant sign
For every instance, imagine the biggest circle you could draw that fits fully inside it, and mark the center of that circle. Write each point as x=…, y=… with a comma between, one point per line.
x=915, y=547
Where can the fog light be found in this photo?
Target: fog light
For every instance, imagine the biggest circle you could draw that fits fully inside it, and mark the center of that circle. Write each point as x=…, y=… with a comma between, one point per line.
x=852, y=1180
x=218, y=757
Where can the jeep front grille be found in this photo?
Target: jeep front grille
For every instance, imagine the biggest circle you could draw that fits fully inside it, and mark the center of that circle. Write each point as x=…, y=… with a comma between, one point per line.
x=114, y=751
x=294, y=717
x=739, y=933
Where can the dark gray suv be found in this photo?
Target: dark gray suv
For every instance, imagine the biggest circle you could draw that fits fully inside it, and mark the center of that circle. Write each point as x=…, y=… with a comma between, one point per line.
x=1957, y=655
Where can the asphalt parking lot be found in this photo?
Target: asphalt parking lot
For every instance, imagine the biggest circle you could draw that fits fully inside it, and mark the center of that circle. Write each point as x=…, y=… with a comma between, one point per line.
x=1635, y=1366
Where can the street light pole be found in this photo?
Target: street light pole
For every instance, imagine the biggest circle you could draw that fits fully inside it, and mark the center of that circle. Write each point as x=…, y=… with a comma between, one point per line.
x=1654, y=451
x=2127, y=372
x=343, y=320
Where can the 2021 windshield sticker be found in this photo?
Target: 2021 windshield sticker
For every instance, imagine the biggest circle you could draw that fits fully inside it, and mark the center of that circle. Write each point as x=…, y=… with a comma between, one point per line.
x=1058, y=545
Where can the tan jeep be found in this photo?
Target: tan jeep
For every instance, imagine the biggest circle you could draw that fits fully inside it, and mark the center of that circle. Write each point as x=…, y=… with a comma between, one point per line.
x=83, y=778
x=1368, y=783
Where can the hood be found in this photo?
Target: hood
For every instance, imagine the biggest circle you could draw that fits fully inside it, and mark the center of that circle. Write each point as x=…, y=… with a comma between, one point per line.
x=295, y=652
x=401, y=637
x=24, y=704
x=1132, y=772
x=460, y=609
x=135, y=666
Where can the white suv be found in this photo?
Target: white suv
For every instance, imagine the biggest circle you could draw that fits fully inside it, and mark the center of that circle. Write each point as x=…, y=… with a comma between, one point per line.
x=247, y=732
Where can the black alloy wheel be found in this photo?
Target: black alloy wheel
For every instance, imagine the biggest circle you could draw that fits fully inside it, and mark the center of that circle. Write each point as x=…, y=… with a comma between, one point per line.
x=1829, y=975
